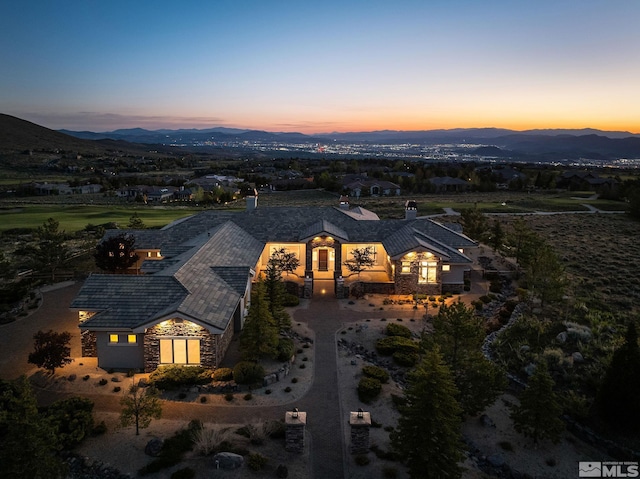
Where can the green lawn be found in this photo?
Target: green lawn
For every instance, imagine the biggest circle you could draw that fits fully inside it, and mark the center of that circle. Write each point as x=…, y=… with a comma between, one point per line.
x=75, y=217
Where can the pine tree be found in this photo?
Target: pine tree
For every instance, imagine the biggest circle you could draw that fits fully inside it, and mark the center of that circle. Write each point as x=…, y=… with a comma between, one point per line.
x=459, y=334
x=275, y=292
x=259, y=337
x=497, y=238
x=51, y=251
x=618, y=395
x=474, y=223
x=29, y=441
x=135, y=222
x=538, y=415
x=428, y=435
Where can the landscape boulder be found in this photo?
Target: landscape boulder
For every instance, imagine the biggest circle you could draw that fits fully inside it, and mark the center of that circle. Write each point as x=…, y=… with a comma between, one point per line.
x=153, y=447
x=227, y=460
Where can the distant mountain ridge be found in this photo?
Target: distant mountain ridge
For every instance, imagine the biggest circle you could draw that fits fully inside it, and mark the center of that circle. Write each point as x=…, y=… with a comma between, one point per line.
x=531, y=145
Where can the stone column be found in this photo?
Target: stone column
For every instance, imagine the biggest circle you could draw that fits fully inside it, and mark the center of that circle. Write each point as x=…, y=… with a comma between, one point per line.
x=295, y=423
x=308, y=288
x=360, y=423
x=340, y=288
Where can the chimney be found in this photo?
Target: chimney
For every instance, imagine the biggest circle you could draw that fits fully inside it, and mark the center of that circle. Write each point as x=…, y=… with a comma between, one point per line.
x=410, y=210
x=344, y=202
x=252, y=199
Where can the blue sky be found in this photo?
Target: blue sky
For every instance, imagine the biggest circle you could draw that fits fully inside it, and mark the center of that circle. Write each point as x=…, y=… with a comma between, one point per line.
x=322, y=66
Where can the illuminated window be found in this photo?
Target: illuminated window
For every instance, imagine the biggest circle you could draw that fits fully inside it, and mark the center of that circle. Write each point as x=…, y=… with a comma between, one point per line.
x=132, y=339
x=148, y=254
x=113, y=338
x=406, y=267
x=445, y=267
x=180, y=351
x=428, y=272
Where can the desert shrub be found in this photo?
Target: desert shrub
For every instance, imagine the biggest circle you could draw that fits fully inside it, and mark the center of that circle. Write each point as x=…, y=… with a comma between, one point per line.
x=175, y=376
x=485, y=298
x=228, y=397
x=368, y=389
x=99, y=429
x=282, y=471
x=506, y=445
x=389, y=345
x=256, y=461
x=277, y=430
x=85, y=377
x=389, y=472
x=398, y=330
x=103, y=382
x=185, y=473
x=258, y=432
x=376, y=372
x=287, y=389
x=222, y=374
x=362, y=460
x=495, y=286
x=248, y=397
x=72, y=419
x=247, y=372
x=209, y=440
x=405, y=358
x=478, y=304
x=555, y=359
x=290, y=300
x=117, y=389
x=285, y=349
x=578, y=332
x=172, y=451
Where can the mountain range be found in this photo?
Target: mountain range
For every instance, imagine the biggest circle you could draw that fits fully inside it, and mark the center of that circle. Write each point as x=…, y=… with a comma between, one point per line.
x=534, y=145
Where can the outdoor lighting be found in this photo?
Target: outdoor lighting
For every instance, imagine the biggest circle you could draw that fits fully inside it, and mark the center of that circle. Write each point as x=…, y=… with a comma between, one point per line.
x=360, y=413
x=294, y=413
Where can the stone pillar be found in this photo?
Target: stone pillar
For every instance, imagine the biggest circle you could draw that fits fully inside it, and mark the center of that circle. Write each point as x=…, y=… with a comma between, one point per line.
x=295, y=422
x=308, y=288
x=340, y=288
x=360, y=423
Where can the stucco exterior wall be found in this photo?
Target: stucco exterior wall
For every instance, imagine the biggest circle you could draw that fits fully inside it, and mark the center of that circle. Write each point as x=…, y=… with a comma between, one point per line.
x=121, y=355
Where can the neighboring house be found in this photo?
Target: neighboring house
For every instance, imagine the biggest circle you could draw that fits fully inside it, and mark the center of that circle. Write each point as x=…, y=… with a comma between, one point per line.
x=444, y=184
x=372, y=188
x=46, y=189
x=194, y=290
x=585, y=180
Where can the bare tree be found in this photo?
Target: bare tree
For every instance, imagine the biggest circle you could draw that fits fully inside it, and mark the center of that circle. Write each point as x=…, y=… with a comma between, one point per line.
x=362, y=259
x=139, y=406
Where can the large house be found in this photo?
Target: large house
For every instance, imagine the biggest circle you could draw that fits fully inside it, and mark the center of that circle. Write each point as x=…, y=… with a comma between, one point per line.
x=195, y=275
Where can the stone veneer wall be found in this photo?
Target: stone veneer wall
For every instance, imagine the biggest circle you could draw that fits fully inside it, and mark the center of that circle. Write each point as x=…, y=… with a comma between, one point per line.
x=209, y=343
x=408, y=283
x=89, y=344
x=223, y=343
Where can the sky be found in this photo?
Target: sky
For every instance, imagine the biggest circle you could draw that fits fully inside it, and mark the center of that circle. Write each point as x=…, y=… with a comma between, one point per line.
x=321, y=66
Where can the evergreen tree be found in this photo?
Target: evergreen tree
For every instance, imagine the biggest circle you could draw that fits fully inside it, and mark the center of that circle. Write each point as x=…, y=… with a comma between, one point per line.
x=618, y=395
x=259, y=337
x=135, y=222
x=51, y=251
x=51, y=350
x=459, y=333
x=474, y=223
x=275, y=292
x=497, y=236
x=428, y=434
x=538, y=415
x=29, y=442
x=545, y=275
x=116, y=253
x=140, y=406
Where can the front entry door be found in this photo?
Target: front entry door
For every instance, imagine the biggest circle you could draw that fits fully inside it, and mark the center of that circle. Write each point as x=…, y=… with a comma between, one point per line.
x=323, y=260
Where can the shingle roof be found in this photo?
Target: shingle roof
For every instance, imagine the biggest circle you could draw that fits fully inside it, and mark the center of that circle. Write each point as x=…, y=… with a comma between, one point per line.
x=126, y=301
x=208, y=259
